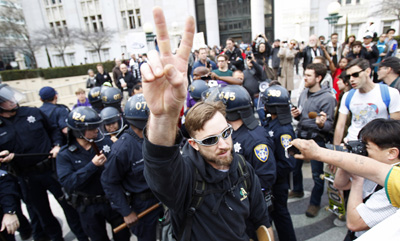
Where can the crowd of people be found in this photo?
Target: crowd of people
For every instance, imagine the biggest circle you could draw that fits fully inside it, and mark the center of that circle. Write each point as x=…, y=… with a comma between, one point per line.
x=206, y=134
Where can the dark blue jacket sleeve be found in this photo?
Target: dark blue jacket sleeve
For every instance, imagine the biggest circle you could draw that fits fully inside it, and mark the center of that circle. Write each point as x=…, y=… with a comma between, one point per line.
x=9, y=197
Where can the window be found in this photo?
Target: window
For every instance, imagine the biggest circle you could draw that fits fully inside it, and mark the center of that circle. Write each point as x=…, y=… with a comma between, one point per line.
x=106, y=54
x=71, y=58
x=386, y=26
x=87, y=23
x=357, y=1
x=138, y=17
x=131, y=19
x=95, y=56
x=59, y=60
x=354, y=29
x=348, y=1
x=124, y=20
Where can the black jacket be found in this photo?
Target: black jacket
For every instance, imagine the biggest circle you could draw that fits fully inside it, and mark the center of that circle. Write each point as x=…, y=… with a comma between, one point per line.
x=130, y=82
x=101, y=78
x=170, y=176
x=252, y=79
x=307, y=55
x=233, y=55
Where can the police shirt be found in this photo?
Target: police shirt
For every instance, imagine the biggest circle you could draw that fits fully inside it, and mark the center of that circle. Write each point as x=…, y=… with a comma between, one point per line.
x=124, y=171
x=57, y=114
x=282, y=135
x=9, y=195
x=257, y=148
x=76, y=170
x=28, y=132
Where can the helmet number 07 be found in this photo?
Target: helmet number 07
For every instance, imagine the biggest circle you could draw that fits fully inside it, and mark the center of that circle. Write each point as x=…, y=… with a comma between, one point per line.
x=141, y=105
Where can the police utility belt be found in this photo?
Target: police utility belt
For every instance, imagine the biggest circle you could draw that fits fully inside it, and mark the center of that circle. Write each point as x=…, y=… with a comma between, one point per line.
x=144, y=196
x=83, y=200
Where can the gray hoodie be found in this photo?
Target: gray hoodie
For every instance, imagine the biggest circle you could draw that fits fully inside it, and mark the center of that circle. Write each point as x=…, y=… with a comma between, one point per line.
x=321, y=100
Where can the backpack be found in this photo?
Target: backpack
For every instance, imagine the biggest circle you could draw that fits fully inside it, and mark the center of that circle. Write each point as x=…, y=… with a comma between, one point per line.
x=384, y=92
x=164, y=232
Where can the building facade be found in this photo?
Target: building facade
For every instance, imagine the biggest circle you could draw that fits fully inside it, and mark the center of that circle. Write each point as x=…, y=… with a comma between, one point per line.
x=241, y=20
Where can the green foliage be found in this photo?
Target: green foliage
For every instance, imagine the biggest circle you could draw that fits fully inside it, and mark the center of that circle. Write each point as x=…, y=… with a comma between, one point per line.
x=51, y=73
x=20, y=74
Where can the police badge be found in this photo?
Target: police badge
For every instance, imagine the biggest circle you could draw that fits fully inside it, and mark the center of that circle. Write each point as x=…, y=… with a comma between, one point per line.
x=262, y=152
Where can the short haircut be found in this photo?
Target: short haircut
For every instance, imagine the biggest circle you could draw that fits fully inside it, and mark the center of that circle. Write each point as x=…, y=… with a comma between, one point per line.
x=322, y=58
x=362, y=63
x=224, y=56
x=90, y=70
x=200, y=113
x=344, y=78
x=231, y=39
x=390, y=29
x=80, y=90
x=99, y=65
x=355, y=43
x=319, y=69
x=334, y=34
x=385, y=133
x=202, y=48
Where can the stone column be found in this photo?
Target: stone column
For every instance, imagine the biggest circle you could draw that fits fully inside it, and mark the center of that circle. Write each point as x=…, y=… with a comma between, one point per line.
x=212, y=23
x=257, y=17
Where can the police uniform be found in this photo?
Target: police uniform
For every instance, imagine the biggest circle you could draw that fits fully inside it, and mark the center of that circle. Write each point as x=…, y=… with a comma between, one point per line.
x=9, y=200
x=57, y=114
x=257, y=149
x=124, y=184
x=29, y=132
x=81, y=178
x=282, y=135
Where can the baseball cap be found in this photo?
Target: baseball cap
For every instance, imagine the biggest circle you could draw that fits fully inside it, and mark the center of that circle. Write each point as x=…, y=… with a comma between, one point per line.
x=47, y=93
x=392, y=62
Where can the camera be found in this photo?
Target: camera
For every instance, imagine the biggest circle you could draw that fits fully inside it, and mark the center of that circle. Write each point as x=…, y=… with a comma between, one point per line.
x=249, y=56
x=356, y=147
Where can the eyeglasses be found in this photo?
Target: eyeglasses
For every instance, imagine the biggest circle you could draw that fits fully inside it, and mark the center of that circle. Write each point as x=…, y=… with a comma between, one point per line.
x=212, y=140
x=355, y=75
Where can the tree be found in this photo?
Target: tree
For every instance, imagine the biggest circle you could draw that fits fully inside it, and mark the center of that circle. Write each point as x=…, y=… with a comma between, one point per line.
x=15, y=35
x=387, y=8
x=95, y=40
x=59, y=39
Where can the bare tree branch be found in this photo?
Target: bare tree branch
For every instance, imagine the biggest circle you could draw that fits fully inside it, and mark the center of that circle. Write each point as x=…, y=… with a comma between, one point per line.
x=16, y=35
x=59, y=40
x=95, y=40
x=387, y=8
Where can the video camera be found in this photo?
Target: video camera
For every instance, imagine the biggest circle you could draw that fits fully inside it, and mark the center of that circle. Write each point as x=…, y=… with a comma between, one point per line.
x=356, y=147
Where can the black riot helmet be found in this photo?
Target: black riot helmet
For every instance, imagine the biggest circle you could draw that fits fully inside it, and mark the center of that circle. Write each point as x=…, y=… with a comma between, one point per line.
x=197, y=88
x=111, y=97
x=9, y=98
x=81, y=119
x=136, y=111
x=111, y=115
x=238, y=105
x=95, y=98
x=276, y=100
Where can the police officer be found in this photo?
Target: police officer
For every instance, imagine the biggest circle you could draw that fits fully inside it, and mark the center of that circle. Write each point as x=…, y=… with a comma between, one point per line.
x=194, y=93
x=79, y=167
x=123, y=179
x=277, y=103
x=9, y=202
x=26, y=130
x=250, y=139
x=56, y=113
x=112, y=97
x=95, y=99
x=113, y=123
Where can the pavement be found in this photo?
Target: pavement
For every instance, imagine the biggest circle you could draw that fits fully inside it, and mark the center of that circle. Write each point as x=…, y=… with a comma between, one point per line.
x=320, y=228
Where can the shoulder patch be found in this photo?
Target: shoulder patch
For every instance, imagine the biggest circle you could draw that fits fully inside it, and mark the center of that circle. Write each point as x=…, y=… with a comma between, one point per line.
x=285, y=140
x=262, y=153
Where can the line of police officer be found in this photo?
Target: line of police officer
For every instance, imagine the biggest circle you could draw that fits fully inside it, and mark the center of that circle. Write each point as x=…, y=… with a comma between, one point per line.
x=80, y=164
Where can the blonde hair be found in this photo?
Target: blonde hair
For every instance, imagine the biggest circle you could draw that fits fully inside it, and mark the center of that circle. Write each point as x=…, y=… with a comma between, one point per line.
x=80, y=90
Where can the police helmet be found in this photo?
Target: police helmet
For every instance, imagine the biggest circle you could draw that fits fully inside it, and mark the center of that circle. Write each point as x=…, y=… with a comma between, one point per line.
x=111, y=97
x=111, y=115
x=239, y=105
x=81, y=119
x=196, y=88
x=95, y=97
x=136, y=111
x=275, y=95
x=276, y=100
x=211, y=94
x=9, y=98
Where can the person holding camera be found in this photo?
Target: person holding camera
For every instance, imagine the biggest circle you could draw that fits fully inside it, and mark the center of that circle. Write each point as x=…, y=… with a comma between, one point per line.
x=253, y=76
x=261, y=49
x=368, y=204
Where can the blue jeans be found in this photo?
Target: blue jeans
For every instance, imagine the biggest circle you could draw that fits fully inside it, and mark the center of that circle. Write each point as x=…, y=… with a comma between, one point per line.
x=317, y=168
